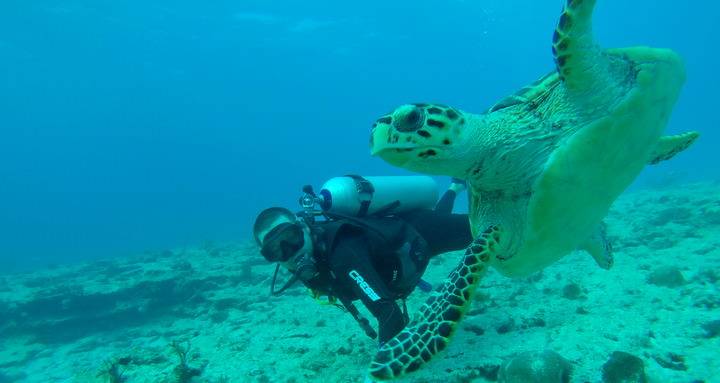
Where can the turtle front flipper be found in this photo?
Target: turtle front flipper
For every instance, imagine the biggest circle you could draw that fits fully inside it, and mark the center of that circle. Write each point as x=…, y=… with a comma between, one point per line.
x=588, y=73
x=574, y=48
x=439, y=318
x=669, y=146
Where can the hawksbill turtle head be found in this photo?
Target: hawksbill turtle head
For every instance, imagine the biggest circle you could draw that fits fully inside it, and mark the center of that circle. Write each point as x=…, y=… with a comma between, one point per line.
x=419, y=137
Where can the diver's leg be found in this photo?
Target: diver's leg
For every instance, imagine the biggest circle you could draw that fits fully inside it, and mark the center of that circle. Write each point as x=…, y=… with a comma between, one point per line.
x=447, y=201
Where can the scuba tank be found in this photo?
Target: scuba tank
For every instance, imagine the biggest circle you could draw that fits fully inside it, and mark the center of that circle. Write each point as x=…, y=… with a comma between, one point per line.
x=351, y=197
x=362, y=196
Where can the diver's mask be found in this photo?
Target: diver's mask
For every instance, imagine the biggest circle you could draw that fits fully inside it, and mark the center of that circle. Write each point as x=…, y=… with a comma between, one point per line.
x=283, y=242
x=290, y=246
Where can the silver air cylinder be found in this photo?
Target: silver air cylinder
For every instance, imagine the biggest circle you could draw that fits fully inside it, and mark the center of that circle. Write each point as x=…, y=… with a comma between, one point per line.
x=360, y=196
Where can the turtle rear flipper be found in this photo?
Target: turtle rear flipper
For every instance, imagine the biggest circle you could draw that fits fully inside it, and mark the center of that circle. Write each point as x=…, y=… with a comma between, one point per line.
x=599, y=247
x=440, y=316
x=669, y=146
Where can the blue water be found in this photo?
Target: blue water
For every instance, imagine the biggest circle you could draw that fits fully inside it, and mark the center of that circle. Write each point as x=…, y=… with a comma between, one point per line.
x=135, y=125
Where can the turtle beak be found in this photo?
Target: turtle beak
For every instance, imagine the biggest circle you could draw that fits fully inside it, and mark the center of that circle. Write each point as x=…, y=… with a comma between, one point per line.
x=395, y=157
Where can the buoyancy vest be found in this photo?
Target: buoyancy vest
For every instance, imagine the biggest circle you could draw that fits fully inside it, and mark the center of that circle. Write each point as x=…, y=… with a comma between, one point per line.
x=398, y=252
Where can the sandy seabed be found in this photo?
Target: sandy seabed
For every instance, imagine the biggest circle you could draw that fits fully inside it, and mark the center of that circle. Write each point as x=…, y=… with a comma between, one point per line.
x=205, y=315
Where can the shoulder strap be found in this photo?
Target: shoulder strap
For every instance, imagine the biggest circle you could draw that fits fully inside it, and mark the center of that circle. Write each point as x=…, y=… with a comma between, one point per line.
x=357, y=222
x=365, y=193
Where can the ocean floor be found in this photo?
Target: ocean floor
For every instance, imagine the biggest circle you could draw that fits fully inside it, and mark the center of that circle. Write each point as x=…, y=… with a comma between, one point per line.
x=205, y=314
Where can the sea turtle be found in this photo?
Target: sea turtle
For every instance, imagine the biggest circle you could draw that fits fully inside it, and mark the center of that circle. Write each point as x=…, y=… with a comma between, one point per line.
x=543, y=167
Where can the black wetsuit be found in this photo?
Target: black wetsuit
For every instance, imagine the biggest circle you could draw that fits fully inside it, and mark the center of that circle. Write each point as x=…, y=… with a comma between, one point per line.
x=356, y=262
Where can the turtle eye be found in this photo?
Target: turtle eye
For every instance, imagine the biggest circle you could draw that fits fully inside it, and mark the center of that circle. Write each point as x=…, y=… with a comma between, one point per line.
x=411, y=120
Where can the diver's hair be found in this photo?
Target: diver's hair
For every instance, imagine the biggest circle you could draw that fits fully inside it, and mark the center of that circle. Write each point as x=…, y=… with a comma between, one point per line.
x=268, y=216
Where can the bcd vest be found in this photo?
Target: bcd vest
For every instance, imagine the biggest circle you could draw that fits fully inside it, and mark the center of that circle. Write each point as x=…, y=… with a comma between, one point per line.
x=394, y=244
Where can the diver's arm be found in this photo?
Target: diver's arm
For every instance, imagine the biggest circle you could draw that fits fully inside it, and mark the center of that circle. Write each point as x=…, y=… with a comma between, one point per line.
x=352, y=268
x=390, y=318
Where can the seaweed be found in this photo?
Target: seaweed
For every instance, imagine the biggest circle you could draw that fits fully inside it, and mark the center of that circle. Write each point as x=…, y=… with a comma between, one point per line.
x=183, y=373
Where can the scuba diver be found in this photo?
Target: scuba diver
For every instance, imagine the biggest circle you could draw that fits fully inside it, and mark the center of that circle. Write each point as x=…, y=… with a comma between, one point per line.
x=374, y=244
